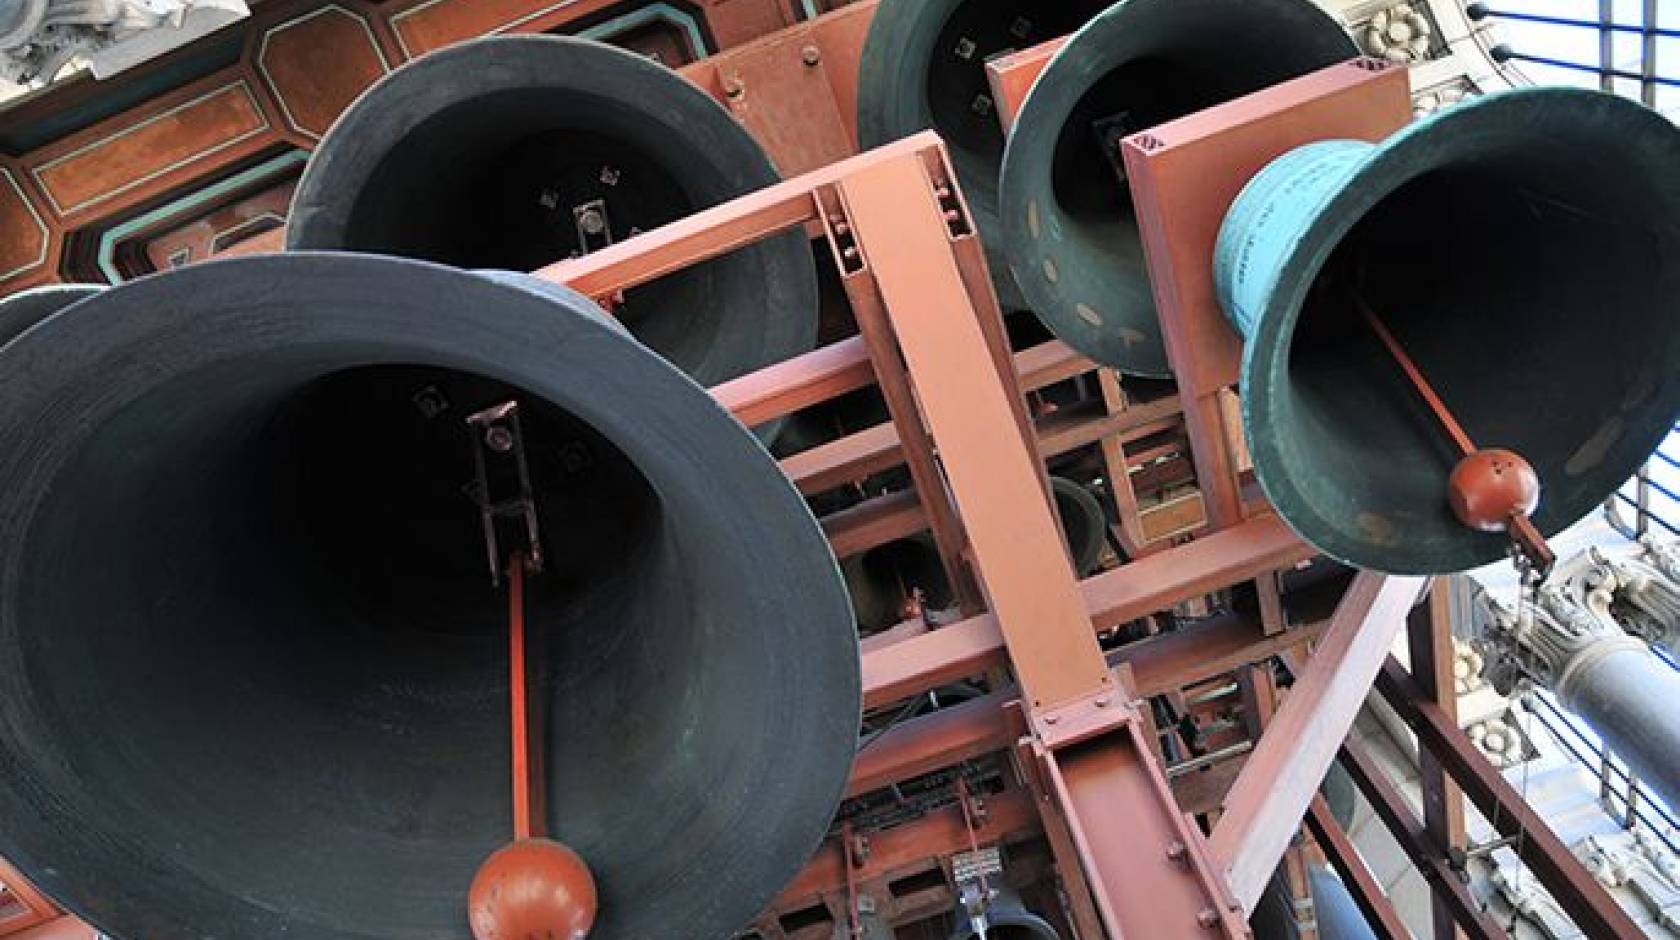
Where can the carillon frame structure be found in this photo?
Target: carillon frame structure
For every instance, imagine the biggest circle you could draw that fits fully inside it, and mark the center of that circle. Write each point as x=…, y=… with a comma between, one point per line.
x=1132, y=861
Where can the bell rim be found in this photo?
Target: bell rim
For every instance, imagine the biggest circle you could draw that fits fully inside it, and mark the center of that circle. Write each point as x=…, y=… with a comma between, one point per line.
x=164, y=304
x=26, y=308
x=1389, y=165
x=361, y=138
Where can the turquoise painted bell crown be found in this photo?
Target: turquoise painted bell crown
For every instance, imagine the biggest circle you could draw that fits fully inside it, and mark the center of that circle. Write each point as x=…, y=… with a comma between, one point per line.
x=1524, y=250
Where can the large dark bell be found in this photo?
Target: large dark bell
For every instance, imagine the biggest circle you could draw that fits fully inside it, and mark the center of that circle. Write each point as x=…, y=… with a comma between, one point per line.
x=886, y=580
x=517, y=151
x=253, y=673
x=1084, y=524
x=1522, y=249
x=1007, y=919
x=1068, y=225
x=924, y=65
x=24, y=309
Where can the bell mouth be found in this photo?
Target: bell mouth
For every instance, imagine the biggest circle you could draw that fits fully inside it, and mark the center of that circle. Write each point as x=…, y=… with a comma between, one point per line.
x=22, y=310
x=924, y=66
x=256, y=669
x=1083, y=522
x=1068, y=225
x=1514, y=245
x=516, y=152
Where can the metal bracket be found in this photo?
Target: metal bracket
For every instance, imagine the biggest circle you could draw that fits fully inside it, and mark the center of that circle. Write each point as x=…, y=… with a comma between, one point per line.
x=499, y=440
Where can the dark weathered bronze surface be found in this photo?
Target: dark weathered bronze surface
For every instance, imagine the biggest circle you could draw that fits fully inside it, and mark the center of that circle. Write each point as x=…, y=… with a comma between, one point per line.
x=490, y=153
x=253, y=675
x=1520, y=248
x=1068, y=227
x=924, y=65
x=20, y=311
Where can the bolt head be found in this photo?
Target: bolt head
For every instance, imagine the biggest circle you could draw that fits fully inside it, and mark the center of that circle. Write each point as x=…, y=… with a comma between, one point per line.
x=498, y=438
x=1207, y=917
x=810, y=55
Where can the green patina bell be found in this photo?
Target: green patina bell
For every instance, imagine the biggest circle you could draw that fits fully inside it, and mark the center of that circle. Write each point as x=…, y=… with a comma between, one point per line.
x=1524, y=251
x=1068, y=227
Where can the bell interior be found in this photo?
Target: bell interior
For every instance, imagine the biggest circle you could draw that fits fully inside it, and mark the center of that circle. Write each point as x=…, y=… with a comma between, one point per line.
x=1529, y=277
x=277, y=667
x=517, y=179
x=959, y=96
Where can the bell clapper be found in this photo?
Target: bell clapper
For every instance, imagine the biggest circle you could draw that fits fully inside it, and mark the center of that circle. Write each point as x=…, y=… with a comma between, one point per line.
x=1492, y=489
x=533, y=886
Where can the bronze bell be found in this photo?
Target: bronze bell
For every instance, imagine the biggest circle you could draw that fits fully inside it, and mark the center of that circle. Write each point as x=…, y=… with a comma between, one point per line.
x=256, y=670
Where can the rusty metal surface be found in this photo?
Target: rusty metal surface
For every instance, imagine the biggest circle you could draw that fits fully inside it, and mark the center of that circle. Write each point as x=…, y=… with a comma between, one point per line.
x=33, y=907
x=1429, y=641
x=939, y=833
x=59, y=928
x=795, y=89
x=866, y=288
x=786, y=387
x=941, y=739
x=1149, y=872
x=1114, y=597
x=1011, y=77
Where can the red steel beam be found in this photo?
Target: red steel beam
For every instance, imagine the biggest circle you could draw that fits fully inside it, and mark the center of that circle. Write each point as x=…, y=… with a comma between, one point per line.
x=1184, y=657
x=1145, y=586
x=1373, y=902
x=796, y=383
x=1159, y=664
x=942, y=832
x=904, y=240
x=1265, y=806
x=1157, y=582
x=1429, y=640
x=946, y=737
x=1012, y=76
x=1017, y=548
x=719, y=229
x=63, y=927
x=875, y=521
x=1576, y=891
x=1390, y=806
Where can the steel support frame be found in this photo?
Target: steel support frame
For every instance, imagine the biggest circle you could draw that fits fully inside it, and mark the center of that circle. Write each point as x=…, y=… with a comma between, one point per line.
x=1391, y=808
x=1088, y=743
x=900, y=229
x=1367, y=893
x=1558, y=870
x=1429, y=647
x=1266, y=804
